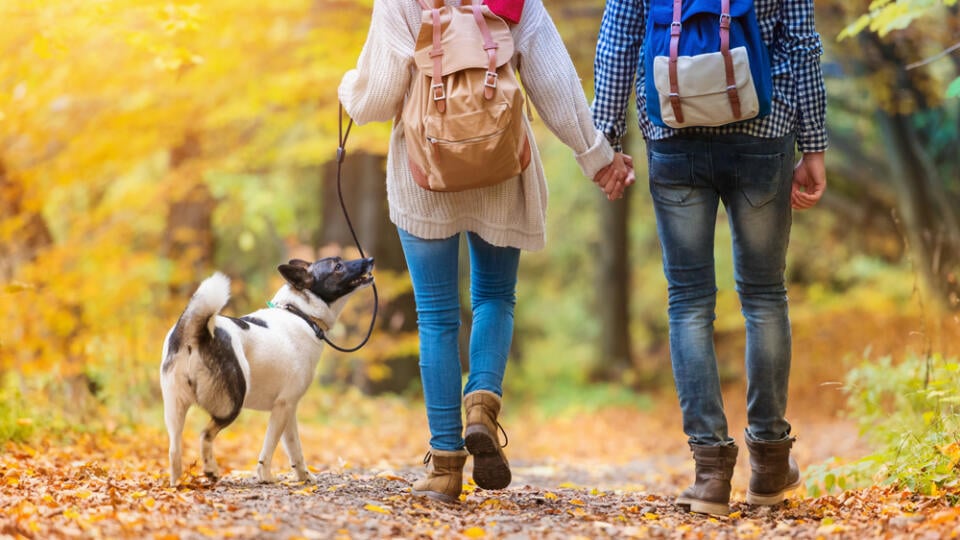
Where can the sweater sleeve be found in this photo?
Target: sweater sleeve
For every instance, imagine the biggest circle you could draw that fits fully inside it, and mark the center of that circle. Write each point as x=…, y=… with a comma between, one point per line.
x=374, y=90
x=551, y=81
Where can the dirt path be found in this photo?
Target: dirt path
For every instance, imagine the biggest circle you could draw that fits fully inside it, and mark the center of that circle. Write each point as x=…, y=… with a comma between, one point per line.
x=582, y=476
x=377, y=504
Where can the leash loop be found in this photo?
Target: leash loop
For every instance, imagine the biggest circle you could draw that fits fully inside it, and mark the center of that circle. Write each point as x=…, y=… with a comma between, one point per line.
x=341, y=154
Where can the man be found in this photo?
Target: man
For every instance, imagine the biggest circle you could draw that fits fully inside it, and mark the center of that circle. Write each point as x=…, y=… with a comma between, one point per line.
x=749, y=167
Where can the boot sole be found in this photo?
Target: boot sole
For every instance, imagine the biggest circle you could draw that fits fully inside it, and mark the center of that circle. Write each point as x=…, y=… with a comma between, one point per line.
x=704, y=507
x=490, y=467
x=437, y=496
x=771, y=499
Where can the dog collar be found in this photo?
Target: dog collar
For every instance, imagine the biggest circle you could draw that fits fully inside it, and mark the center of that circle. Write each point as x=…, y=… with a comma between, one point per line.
x=314, y=325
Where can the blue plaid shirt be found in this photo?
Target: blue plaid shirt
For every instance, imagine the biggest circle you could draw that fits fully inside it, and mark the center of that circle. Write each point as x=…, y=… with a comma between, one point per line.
x=799, y=96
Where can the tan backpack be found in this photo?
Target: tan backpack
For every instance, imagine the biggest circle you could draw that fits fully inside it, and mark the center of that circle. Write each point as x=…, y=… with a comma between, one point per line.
x=463, y=118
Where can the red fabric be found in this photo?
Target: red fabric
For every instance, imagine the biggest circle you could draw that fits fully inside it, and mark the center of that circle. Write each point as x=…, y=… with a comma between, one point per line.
x=509, y=10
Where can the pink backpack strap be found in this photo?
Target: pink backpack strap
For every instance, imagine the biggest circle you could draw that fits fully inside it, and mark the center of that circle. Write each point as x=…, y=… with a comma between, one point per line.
x=727, y=59
x=436, y=52
x=675, y=28
x=489, y=45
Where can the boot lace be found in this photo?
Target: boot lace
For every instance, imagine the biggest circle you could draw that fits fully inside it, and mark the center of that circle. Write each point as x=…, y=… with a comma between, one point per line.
x=506, y=440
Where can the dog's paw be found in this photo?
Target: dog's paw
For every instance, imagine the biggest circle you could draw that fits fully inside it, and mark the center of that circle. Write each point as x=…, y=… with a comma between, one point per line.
x=265, y=476
x=306, y=477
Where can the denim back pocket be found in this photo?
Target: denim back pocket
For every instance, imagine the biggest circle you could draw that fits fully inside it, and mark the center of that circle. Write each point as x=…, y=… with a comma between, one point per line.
x=759, y=177
x=671, y=178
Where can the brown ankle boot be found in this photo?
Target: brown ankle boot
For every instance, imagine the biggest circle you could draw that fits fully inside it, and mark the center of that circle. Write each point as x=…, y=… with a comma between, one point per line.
x=710, y=492
x=773, y=471
x=490, y=467
x=444, y=480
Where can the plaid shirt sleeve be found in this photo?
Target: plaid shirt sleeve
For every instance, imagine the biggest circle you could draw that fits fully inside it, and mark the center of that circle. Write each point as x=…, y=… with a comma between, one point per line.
x=615, y=66
x=805, y=51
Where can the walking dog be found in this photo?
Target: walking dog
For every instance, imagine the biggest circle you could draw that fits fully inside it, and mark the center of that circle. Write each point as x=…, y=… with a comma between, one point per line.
x=264, y=361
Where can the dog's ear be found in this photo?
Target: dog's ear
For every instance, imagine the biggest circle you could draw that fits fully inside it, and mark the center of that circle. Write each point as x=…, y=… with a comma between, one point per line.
x=299, y=262
x=296, y=275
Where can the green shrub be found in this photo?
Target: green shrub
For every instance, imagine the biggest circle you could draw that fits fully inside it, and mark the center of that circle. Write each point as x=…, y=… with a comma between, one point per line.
x=908, y=412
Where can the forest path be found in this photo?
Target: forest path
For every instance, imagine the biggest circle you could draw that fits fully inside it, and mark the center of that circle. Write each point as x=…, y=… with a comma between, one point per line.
x=579, y=476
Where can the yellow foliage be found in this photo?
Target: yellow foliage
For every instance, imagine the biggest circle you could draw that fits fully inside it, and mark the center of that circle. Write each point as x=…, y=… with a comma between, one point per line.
x=95, y=99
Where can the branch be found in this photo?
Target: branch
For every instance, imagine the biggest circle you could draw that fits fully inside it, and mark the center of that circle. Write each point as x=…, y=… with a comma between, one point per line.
x=935, y=57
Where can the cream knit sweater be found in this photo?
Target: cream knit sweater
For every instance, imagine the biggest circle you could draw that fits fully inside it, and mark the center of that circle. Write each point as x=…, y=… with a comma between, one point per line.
x=511, y=213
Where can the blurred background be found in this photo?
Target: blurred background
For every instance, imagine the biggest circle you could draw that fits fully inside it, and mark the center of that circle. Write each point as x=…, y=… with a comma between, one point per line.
x=146, y=143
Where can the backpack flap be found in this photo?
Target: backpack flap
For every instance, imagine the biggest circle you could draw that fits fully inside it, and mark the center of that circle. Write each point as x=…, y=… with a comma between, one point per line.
x=460, y=43
x=704, y=76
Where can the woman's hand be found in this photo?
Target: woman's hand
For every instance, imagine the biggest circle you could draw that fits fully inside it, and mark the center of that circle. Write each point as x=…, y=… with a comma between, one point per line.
x=616, y=177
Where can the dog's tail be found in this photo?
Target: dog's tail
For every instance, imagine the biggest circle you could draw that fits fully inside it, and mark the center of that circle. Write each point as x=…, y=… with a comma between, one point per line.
x=211, y=296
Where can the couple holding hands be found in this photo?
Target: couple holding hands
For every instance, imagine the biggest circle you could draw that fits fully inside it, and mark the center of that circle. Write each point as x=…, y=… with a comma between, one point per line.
x=748, y=166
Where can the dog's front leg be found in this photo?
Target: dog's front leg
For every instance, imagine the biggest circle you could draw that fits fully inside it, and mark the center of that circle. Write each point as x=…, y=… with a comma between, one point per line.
x=279, y=417
x=291, y=443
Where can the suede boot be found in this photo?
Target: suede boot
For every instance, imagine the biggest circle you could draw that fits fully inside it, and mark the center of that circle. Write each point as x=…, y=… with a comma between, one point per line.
x=773, y=472
x=491, y=470
x=710, y=492
x=444, y=480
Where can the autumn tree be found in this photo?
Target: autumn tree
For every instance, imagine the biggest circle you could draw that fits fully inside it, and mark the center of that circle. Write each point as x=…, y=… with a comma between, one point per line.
x=896, y=127
x=133, y=134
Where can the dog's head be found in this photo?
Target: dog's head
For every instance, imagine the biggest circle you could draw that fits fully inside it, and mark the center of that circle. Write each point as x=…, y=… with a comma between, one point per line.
x=329, y=279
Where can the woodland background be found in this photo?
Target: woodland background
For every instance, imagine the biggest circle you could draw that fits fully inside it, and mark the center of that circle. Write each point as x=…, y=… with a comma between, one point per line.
x=146, y=143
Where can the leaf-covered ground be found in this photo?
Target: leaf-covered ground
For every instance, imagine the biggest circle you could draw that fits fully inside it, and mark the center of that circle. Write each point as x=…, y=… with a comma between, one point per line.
x=595, y=474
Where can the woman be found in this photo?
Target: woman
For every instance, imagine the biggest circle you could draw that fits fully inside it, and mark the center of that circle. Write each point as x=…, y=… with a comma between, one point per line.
x=499, y=222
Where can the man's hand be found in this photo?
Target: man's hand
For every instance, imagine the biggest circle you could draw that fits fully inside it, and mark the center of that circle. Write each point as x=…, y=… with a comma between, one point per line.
x=809, y=181
x=616, y=177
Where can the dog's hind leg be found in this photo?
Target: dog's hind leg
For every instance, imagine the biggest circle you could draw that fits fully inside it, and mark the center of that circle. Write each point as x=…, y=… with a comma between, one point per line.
x=174, y=416
x=291, y=443
x=280, y=416
x=210, y=431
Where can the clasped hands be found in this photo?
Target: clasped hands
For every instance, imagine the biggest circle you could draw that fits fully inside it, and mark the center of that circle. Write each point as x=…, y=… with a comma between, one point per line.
x=616, y=177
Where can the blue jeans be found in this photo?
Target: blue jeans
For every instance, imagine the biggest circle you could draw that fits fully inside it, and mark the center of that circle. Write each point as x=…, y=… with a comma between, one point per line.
x=433, y=267
x=689, y=176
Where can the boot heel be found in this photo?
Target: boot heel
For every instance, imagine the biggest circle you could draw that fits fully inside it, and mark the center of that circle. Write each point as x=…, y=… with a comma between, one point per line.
x=479, y=440
x=704, y=507
x=772, y=498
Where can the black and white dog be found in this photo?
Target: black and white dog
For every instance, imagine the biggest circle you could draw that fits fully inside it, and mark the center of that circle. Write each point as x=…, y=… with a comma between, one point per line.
x=265, y=360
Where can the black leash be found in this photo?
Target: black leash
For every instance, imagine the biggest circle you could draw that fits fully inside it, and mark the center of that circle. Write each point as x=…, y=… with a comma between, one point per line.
x=341, y=153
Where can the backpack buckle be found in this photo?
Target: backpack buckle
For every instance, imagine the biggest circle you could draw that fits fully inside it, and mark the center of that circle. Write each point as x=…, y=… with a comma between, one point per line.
x=724, y=20
x=490, y=81
x=439, y=94
x=675, y=28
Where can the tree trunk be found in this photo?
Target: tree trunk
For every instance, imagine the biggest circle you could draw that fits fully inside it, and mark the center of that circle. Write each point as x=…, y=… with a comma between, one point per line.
x=188, y=238
x=364, y=193
x=613, y=288
x=929, y=220
x=31, y=237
